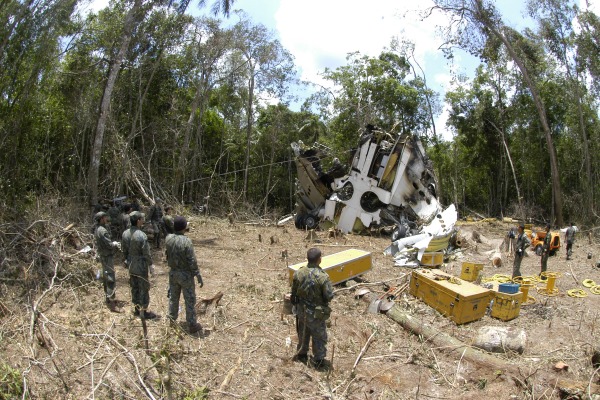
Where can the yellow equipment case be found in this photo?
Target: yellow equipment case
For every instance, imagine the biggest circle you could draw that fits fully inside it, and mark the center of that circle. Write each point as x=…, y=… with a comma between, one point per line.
x=470, y=271
x=506, y=306
x=433, y=259
x=459, y=300
x=341, y=266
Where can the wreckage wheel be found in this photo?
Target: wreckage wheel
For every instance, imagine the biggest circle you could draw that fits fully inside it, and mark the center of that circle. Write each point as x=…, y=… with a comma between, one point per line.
x=311, y=222
x=299, y=221
x=370, y=202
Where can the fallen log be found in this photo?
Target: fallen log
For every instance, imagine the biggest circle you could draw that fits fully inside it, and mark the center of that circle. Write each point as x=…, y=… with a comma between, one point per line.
x=458, y=348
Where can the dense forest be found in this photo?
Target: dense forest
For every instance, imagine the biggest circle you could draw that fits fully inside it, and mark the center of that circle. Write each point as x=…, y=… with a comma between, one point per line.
x=142, y=99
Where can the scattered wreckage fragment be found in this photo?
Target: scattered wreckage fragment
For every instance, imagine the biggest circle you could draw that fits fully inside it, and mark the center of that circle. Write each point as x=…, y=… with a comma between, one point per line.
x=388, y=182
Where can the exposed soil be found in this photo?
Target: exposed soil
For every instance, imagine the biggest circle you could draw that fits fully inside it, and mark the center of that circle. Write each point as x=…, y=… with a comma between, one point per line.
x=82, y=350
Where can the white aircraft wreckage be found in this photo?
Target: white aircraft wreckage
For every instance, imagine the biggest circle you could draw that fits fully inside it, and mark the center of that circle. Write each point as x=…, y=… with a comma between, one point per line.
x=389, y=182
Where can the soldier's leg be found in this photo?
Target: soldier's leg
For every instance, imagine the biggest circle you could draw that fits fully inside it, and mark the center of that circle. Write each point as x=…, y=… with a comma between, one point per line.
x=175, y=290
x=319, y=339
x=144, y=292
x=109, y=278
x=156, y=228
x=517, y=266
x=189, y=295
x=544, y=262
x=135, y=297
x=303, y=332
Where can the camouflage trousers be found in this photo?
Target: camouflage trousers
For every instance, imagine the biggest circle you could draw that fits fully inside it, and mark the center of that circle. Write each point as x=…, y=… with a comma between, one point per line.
x=182, y=282
x=517, y=265
x=569, y=250
x=159, y=231
x=309, y=327
x=140, y=291
x=108, y=276
x=545, y=256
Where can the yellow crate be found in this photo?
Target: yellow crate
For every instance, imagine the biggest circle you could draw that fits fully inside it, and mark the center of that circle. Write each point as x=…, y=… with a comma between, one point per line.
x=341, y=266
x=506, y=306
x=470, y=271
x=432, y=259
x=462, y=301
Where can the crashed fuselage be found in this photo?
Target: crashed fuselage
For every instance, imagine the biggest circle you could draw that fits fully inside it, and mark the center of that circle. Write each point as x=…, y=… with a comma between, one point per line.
x=388, y=181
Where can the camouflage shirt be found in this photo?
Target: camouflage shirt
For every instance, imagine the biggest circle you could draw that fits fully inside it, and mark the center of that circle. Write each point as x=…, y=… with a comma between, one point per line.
x=547, y=241
x=136, y=251
x=169, y=223
x=312, y=286
x=522, y=242
x=155, y=214
x=570, y=235
x=180, y=253
x=104, y=246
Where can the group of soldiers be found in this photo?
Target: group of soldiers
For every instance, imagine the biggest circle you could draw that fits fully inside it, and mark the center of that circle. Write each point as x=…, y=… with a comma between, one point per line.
x=522, y=242
x=181, y=259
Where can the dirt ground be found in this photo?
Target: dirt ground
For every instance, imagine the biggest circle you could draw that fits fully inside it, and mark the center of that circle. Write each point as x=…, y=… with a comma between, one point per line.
x=80, y=349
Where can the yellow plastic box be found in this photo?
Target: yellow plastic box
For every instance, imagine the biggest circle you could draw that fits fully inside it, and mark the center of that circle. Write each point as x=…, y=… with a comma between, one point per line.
x=470, y=271
x=507, y=306
x=459, y=300
x=341, y=266
x=432, y=259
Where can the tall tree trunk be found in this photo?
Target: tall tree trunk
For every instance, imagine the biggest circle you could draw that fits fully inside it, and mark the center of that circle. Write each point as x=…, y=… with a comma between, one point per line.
x=539, y=105
x=187, y=137
x=131, y=21
x=249, y=120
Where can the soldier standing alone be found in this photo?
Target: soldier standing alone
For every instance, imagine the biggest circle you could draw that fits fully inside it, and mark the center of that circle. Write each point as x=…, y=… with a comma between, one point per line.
x=155, y=217
x=546, y=250
x=184, y=267
x=139, y=261
x=105, y=248
x=522, y=243
x=570, y=239
x=311, y=293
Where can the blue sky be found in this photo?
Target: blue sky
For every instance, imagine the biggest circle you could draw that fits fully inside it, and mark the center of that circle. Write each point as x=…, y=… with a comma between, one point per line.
x=320, y=33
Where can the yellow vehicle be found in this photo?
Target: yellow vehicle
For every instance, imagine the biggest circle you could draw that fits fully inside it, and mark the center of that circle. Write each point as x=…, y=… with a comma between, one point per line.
x=537, y=242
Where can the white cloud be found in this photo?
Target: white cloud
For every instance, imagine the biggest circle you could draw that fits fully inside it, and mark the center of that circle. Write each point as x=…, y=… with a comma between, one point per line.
x=321, y=33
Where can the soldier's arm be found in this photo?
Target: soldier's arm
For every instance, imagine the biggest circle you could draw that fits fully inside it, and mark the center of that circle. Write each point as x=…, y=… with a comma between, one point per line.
x=191, y=258
x=104, y=237
x=146, y=250
x=327, y=291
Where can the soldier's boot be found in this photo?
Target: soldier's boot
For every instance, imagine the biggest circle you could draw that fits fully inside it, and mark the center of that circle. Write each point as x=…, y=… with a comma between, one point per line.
x=112, y=306
x=303, y=358
x=195, y=327
x=149, y=315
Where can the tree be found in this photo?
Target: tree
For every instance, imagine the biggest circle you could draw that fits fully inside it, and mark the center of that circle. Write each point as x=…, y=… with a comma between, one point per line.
x=269, y=69
x=133, y=17
x=475, y=26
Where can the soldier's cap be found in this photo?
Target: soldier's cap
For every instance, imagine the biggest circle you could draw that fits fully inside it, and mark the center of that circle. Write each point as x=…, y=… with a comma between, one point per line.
x=158, y=200
x=179, y=223
x=137, y=215
x=522, y=227
x=99, y=215
x=547, y=226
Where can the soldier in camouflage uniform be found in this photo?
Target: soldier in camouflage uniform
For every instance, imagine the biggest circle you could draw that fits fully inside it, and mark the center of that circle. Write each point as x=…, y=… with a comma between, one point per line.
x=522, y=243
x=311, y=293
x=570, y=239
x=105, y=248
x=546, y=251
x=138, y=259
x=114, y=212
x=184, y=267
x=124, y=217
x=155, y=215
x=168, y=221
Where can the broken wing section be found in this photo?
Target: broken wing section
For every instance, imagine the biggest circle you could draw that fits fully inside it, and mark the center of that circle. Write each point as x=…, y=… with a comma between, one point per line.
x=389, y=181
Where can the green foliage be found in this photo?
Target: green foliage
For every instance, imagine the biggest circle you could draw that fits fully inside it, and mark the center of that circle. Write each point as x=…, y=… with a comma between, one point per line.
x=200, y=393
x=11, y=382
